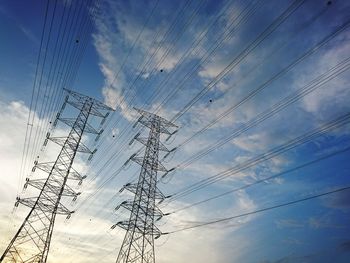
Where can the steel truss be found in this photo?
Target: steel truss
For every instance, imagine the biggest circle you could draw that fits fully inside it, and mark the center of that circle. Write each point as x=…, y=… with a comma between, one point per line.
x=31, y=243
x=138, y=244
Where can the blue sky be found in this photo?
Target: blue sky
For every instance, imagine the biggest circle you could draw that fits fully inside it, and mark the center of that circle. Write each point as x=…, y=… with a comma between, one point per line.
x=259, y=73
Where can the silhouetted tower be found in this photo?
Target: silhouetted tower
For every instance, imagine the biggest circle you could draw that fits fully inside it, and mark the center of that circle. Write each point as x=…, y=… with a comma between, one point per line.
x=31, y=243
x=138, y=244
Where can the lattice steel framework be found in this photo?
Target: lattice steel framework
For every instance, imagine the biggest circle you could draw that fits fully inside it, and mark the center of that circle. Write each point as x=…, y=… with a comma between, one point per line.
x=138, y=244
x=31, y=243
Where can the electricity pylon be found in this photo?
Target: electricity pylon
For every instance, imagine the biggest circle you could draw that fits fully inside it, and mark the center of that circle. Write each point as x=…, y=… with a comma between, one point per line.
x=138, y=244
x=31, y=243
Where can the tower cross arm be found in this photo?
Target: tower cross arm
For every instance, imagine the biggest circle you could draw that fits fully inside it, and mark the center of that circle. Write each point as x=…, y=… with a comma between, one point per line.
x=81, y=97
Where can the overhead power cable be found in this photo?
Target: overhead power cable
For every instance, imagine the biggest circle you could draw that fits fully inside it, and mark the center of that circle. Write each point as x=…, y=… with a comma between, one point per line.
x=302, y=58
x=43, y=120
x=270, y=29
x=264, y=85
x=29, y=126
x=131, y=49
x=121, y=148
x=322, y=41
x=143, y=66
x=38, y=82
x=316, y=83
x=71, y=31
x=276, y=108
x=267, y=32
x=266, y=179
x=308, y=136
x=123, y=103
x=338, y=190
x=237, y=20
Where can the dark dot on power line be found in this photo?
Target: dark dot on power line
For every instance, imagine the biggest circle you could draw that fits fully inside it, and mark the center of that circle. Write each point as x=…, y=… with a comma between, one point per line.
x=77, y=41
x=113, y=136
x=161, y=70
x=50, y=122
x=210, y=100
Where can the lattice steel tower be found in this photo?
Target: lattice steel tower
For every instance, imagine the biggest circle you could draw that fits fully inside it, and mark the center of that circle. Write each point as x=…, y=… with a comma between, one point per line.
x=138, y=244
x=31, y=243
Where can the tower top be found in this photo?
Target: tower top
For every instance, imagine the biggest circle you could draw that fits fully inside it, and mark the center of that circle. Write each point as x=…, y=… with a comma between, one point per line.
x=147, y=118
x=81, y=97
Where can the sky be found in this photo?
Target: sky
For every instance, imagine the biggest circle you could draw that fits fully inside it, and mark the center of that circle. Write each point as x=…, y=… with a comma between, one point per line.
x=259, y=90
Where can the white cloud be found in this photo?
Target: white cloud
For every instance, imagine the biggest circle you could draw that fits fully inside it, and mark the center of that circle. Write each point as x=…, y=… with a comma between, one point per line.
x=210, y=240
x=288, y=223
x=330, y=97
x=13, y=122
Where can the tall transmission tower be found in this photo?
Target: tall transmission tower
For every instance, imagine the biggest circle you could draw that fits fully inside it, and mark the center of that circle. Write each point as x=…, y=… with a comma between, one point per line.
x=31, y=243
x=138, y=244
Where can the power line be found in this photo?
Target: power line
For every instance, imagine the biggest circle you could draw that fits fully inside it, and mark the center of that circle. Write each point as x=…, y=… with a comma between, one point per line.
x=45, y=101
x=286, y=172
x=255, y=43
x=26, y=144
x=276, y=108
x=260, y=87
x=32, y=121
x=267, y=32
x=125, y=130
x=54, y=72
x=132, y=48
x=292, y=98
x=147, y=63
x=308, y=136
x=163, y=58
x=338, y=190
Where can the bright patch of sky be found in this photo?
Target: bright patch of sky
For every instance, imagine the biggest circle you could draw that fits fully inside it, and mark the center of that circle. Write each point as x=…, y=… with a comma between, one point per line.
x=244, y=80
